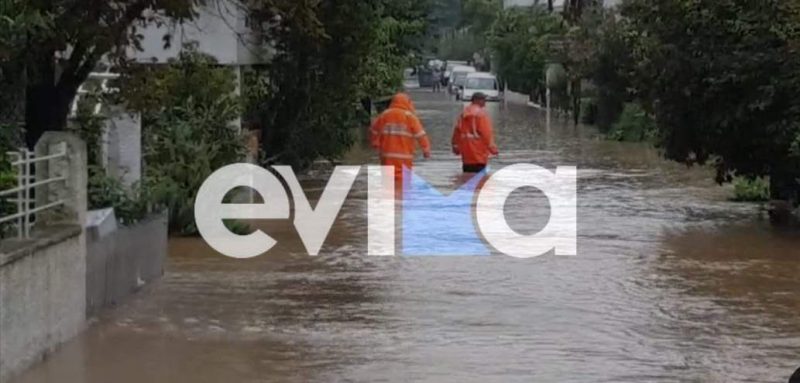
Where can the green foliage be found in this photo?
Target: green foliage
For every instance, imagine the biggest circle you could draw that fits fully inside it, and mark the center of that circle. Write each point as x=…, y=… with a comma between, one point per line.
x=89, y=128
x=185, y=146
x=79, y=34
x=460, y=46
x=520, y=39
x=153, y=90
x=479, y=15
x=327, y=61
x=9, y=141
x=722, y=78
x=400, y=23
x=443, y=16
x=750, y=189
x=472, y=36
x=600, y=51
x=187, y=111
x=634, y=125
x=238, y=227
x=130, y=206
x=18, y=20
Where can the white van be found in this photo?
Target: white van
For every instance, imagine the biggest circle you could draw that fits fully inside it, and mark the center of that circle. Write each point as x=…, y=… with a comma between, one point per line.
x=449, y=69
x=459, y=77
x=485, y=83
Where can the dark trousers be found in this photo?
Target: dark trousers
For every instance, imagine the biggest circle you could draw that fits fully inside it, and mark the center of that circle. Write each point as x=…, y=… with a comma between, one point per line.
x=474, y=168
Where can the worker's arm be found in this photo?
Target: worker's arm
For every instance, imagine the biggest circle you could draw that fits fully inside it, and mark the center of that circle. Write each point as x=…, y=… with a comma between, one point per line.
x=455, y=141
x=375, y=132
x=486, y=132
x=421, y=136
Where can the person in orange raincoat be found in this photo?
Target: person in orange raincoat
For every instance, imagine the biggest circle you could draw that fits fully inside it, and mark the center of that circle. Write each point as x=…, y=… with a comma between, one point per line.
x=473, y=136
x=395, y=133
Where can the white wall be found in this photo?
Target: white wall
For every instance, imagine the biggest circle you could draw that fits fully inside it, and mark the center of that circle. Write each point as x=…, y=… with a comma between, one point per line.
x=220, y=30
x=556, y=4
x=528, y=3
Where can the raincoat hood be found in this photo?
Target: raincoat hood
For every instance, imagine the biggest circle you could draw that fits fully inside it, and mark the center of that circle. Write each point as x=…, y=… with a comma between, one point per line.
x=402, y=101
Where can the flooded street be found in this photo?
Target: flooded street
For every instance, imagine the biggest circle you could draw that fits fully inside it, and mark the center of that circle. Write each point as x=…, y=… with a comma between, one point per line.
x=672, y=283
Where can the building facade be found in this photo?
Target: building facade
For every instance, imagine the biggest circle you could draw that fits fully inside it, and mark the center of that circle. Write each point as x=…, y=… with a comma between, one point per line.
x=220, y=30
x=557, y=4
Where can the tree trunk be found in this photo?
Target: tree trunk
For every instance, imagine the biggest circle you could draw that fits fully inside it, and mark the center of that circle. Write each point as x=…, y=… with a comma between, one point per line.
x=47, y=103
x=576, y=100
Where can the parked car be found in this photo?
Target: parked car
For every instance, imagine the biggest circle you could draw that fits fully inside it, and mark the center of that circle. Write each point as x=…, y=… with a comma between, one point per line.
x=459, y=77
x=448, y=72
x=483, y=82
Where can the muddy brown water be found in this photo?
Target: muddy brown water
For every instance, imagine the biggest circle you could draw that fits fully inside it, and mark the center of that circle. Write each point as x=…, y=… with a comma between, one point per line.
x=673, y=283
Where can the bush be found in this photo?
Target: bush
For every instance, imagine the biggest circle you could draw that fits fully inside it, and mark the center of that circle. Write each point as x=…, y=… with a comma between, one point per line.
x=89, y=128
x=634, y=125
x=751, y=189
x=184, y=147
x=188, y=108
x=130, y=206
x=10, y=140
x=103, y=191
x=8, y=180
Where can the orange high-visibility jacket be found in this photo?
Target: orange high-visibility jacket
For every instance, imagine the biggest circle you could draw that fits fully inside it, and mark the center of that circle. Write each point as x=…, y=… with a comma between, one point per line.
x=473, y=136
x=395, y=133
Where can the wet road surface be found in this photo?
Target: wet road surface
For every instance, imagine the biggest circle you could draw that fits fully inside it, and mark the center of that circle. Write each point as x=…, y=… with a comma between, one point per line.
x=672, y=283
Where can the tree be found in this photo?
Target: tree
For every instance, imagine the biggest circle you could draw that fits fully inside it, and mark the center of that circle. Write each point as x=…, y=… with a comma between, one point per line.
x=327, y=61
x=722, y=79
x=602, y=53
x=59, y=42
x=399, y=31
x=520, y=40
x=479, y=15
x=443, y=16
x=18, y=21
x=584, y=19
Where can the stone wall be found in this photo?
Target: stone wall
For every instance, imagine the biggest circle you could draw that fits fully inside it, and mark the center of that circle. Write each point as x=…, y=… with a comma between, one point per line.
x=42, y=295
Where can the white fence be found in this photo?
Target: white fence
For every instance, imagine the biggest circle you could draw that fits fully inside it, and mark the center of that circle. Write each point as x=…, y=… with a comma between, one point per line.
x=23, y=196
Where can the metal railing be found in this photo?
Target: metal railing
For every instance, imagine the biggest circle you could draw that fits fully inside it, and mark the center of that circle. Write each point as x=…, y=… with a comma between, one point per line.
x=101, y=82
x=23, y=194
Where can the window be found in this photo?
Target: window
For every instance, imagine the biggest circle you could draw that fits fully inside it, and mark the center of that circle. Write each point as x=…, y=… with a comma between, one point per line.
x=482, y=83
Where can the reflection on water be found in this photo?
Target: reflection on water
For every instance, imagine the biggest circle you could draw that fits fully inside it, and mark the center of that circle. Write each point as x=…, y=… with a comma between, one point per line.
x=672, y=284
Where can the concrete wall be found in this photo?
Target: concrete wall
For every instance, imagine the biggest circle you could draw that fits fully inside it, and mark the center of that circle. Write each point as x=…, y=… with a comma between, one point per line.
x=123, y=144
x=120, y=263
x=50, y=281
x=42, y=296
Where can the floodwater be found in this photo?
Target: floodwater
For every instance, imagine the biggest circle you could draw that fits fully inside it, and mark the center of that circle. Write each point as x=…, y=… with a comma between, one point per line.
x=673, y=283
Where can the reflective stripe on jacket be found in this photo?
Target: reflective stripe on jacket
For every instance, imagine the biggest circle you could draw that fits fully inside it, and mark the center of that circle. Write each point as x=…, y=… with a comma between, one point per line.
x=473, y=136
x=397, y=131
